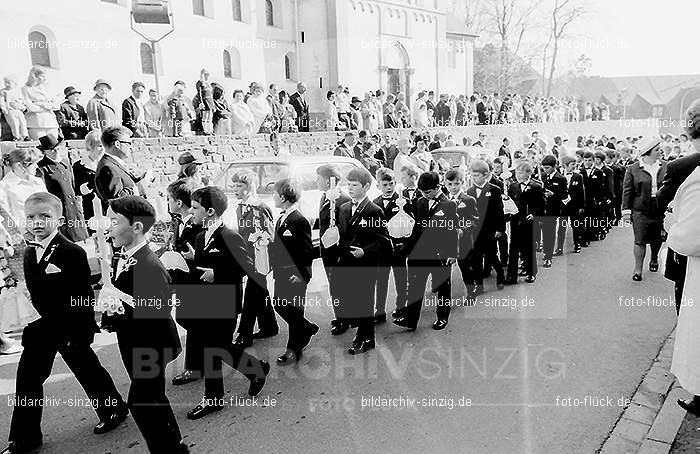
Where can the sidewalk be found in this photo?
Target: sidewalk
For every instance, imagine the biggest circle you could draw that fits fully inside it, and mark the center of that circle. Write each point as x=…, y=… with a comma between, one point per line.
x=650, y=424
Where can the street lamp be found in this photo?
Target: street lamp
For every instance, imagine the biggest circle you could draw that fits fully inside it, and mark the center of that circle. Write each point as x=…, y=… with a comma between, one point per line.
x=149, y=12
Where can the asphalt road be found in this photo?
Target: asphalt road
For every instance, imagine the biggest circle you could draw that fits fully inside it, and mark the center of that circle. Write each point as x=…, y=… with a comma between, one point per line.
x=541, y=368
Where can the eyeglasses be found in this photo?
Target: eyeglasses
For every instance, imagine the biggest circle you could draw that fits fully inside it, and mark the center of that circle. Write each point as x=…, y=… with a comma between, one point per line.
x=27, y=164
x=126, y=141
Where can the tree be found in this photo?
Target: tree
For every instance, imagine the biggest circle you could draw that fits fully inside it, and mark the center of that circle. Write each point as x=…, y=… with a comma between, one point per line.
x=564, y=13
x=508, y=20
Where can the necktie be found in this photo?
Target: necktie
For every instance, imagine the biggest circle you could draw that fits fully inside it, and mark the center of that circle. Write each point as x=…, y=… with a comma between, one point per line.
x=354, y=207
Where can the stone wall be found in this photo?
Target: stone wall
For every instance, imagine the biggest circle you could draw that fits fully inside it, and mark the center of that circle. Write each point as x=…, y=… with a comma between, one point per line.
x=161, y=154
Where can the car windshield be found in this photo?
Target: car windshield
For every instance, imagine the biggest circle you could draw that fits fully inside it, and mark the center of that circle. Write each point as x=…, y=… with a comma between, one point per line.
x=267, y=172
x=455, y=159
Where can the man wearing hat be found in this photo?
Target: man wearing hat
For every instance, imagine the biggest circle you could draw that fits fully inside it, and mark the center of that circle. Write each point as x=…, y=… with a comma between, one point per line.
x=58, y=177
x=355, y=113
x=101, y=112
x=72, y=117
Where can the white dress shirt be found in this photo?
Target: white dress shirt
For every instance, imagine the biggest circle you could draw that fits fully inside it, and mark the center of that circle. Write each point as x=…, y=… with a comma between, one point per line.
x=13, y=193
x=43, y=245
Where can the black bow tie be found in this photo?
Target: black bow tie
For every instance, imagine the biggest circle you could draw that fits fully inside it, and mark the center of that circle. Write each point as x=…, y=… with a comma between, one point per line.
x=35, y=244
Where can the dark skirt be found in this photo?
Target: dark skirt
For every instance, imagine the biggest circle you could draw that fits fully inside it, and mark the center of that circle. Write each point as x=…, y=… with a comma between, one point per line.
x=647, y=229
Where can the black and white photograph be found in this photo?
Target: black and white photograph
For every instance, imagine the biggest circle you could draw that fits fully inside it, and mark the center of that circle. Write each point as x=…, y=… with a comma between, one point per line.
x=349, y=226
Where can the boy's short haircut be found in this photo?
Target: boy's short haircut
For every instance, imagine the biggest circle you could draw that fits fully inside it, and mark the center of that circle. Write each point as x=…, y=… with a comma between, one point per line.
x=524, y=166
x=600, y=155
x=211, y=197
x=385, y=174
x=135, y=209
x=93, y=139
x=587, y=154
x=360, y=175
x=46, y=197
x=181, y=190
x=410, y=171
x=288, y=190
x=479, y=166
x=247, y=177
x=428, y=181
x=326, y=171
x=610, y=153
x=566, y=160
x=454, y=174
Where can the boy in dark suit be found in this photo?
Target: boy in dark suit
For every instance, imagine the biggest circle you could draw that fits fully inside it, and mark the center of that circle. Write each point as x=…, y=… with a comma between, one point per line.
x=409, y=180
x=330, y=255
x=58, y=280
x=528, y=195
x=363, y=239
x=491, y=223
x=185, y=232
x=573, y=207
x=433, y=249
x=223, y=260
x=606, y=211
x=468, y=217
x=613, y=161
x=291, y=256
x=595, y=182
x=555, y=191
x=254, y=219
x=395, y=262
x=145, y=327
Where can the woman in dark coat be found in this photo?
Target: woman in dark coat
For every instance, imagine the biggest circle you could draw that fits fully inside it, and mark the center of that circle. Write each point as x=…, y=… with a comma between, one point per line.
x=642, y=180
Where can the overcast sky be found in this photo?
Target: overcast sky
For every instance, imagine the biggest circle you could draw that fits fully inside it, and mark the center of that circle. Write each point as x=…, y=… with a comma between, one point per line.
x=639, y=37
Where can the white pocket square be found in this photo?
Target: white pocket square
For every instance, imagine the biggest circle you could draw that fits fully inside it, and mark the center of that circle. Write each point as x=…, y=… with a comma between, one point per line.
x=287, y=233
x=52, y=269
x=439, y=213
x=214, y=250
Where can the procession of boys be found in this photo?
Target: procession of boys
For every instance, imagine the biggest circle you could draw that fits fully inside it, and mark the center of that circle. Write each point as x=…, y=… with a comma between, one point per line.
x=486, y=221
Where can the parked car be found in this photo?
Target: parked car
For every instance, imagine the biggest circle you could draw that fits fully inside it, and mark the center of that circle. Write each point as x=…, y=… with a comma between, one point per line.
x=461, y=155
x=302, y=169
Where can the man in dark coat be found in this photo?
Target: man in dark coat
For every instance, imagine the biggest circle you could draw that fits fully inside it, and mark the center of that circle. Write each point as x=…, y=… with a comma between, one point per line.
x=112, y=178
x=58, y=177
x=72, y=117
x=300, y=105
x=58, y=280
x=348, y=147
x=133, y=115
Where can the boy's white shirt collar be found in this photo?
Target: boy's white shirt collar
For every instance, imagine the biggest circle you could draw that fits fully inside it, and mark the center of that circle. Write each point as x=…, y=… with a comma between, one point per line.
x=211, y=229
x=44, y=245
x=128, y=253
x=285, y=214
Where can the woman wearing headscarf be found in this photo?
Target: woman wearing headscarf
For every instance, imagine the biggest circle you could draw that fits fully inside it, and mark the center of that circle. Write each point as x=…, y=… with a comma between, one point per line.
x=642, y=180
x=261, y=109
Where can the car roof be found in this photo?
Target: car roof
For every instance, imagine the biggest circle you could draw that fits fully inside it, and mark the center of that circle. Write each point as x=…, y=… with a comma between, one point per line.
x=287, y=159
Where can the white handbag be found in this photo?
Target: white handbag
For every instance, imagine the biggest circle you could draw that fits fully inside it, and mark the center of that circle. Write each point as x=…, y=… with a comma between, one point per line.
x=401, y=225
x=331, y=237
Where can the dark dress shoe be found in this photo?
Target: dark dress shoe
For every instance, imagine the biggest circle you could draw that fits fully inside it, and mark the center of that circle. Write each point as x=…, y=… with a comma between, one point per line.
x=511, y=281
x=586, y=244
x=339, y=328
x=654, y=266
x=500, y=285
x=264, y=334
x=398, y=313
x=577, y=249
x=439, y=325
x=547, y=263
x=378, y=319
x=186, y=376
x=540, y=248
x=559, y=252
x=112, y=421
x=21, y=448
x=205, y=407
x=288, y=358
x=182, y=449
x=478, y=290
x=311, y=331
x=522, y=272
x=404, y=323
x=691, y=405
x=361, y=346
x=257, y=384
x=637, y=277
x=243, y=341
x=530, y=279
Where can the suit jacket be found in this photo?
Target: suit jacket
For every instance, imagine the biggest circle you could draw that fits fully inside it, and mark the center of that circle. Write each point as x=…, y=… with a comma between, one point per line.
x=435, y=234
x=496, y=182
x=102, y=113
x=84, y=175
x=343, y=150
x=442, y=114
x=58, y=177
x=130, y=115
x=302, y=109
x=113, y=181
x=330, y=256
x=468, y=215
x=490, y=216
x=412, y=200
x=577, y=191
x=226, y=254
x=610, y=178
x=557, y=184
x=619, y=173
x=73, y=121
x=596, y=186
x=365, y=229
x=148, y=324
x=187, y=284
x=482, y=113
x=531, y=201
x=249, y=216
x=389, y=210
x=292, y=250
x=64, y=299
x=637, y=190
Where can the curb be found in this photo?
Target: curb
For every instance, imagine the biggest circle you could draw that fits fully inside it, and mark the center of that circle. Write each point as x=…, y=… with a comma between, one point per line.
x=650, y=423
